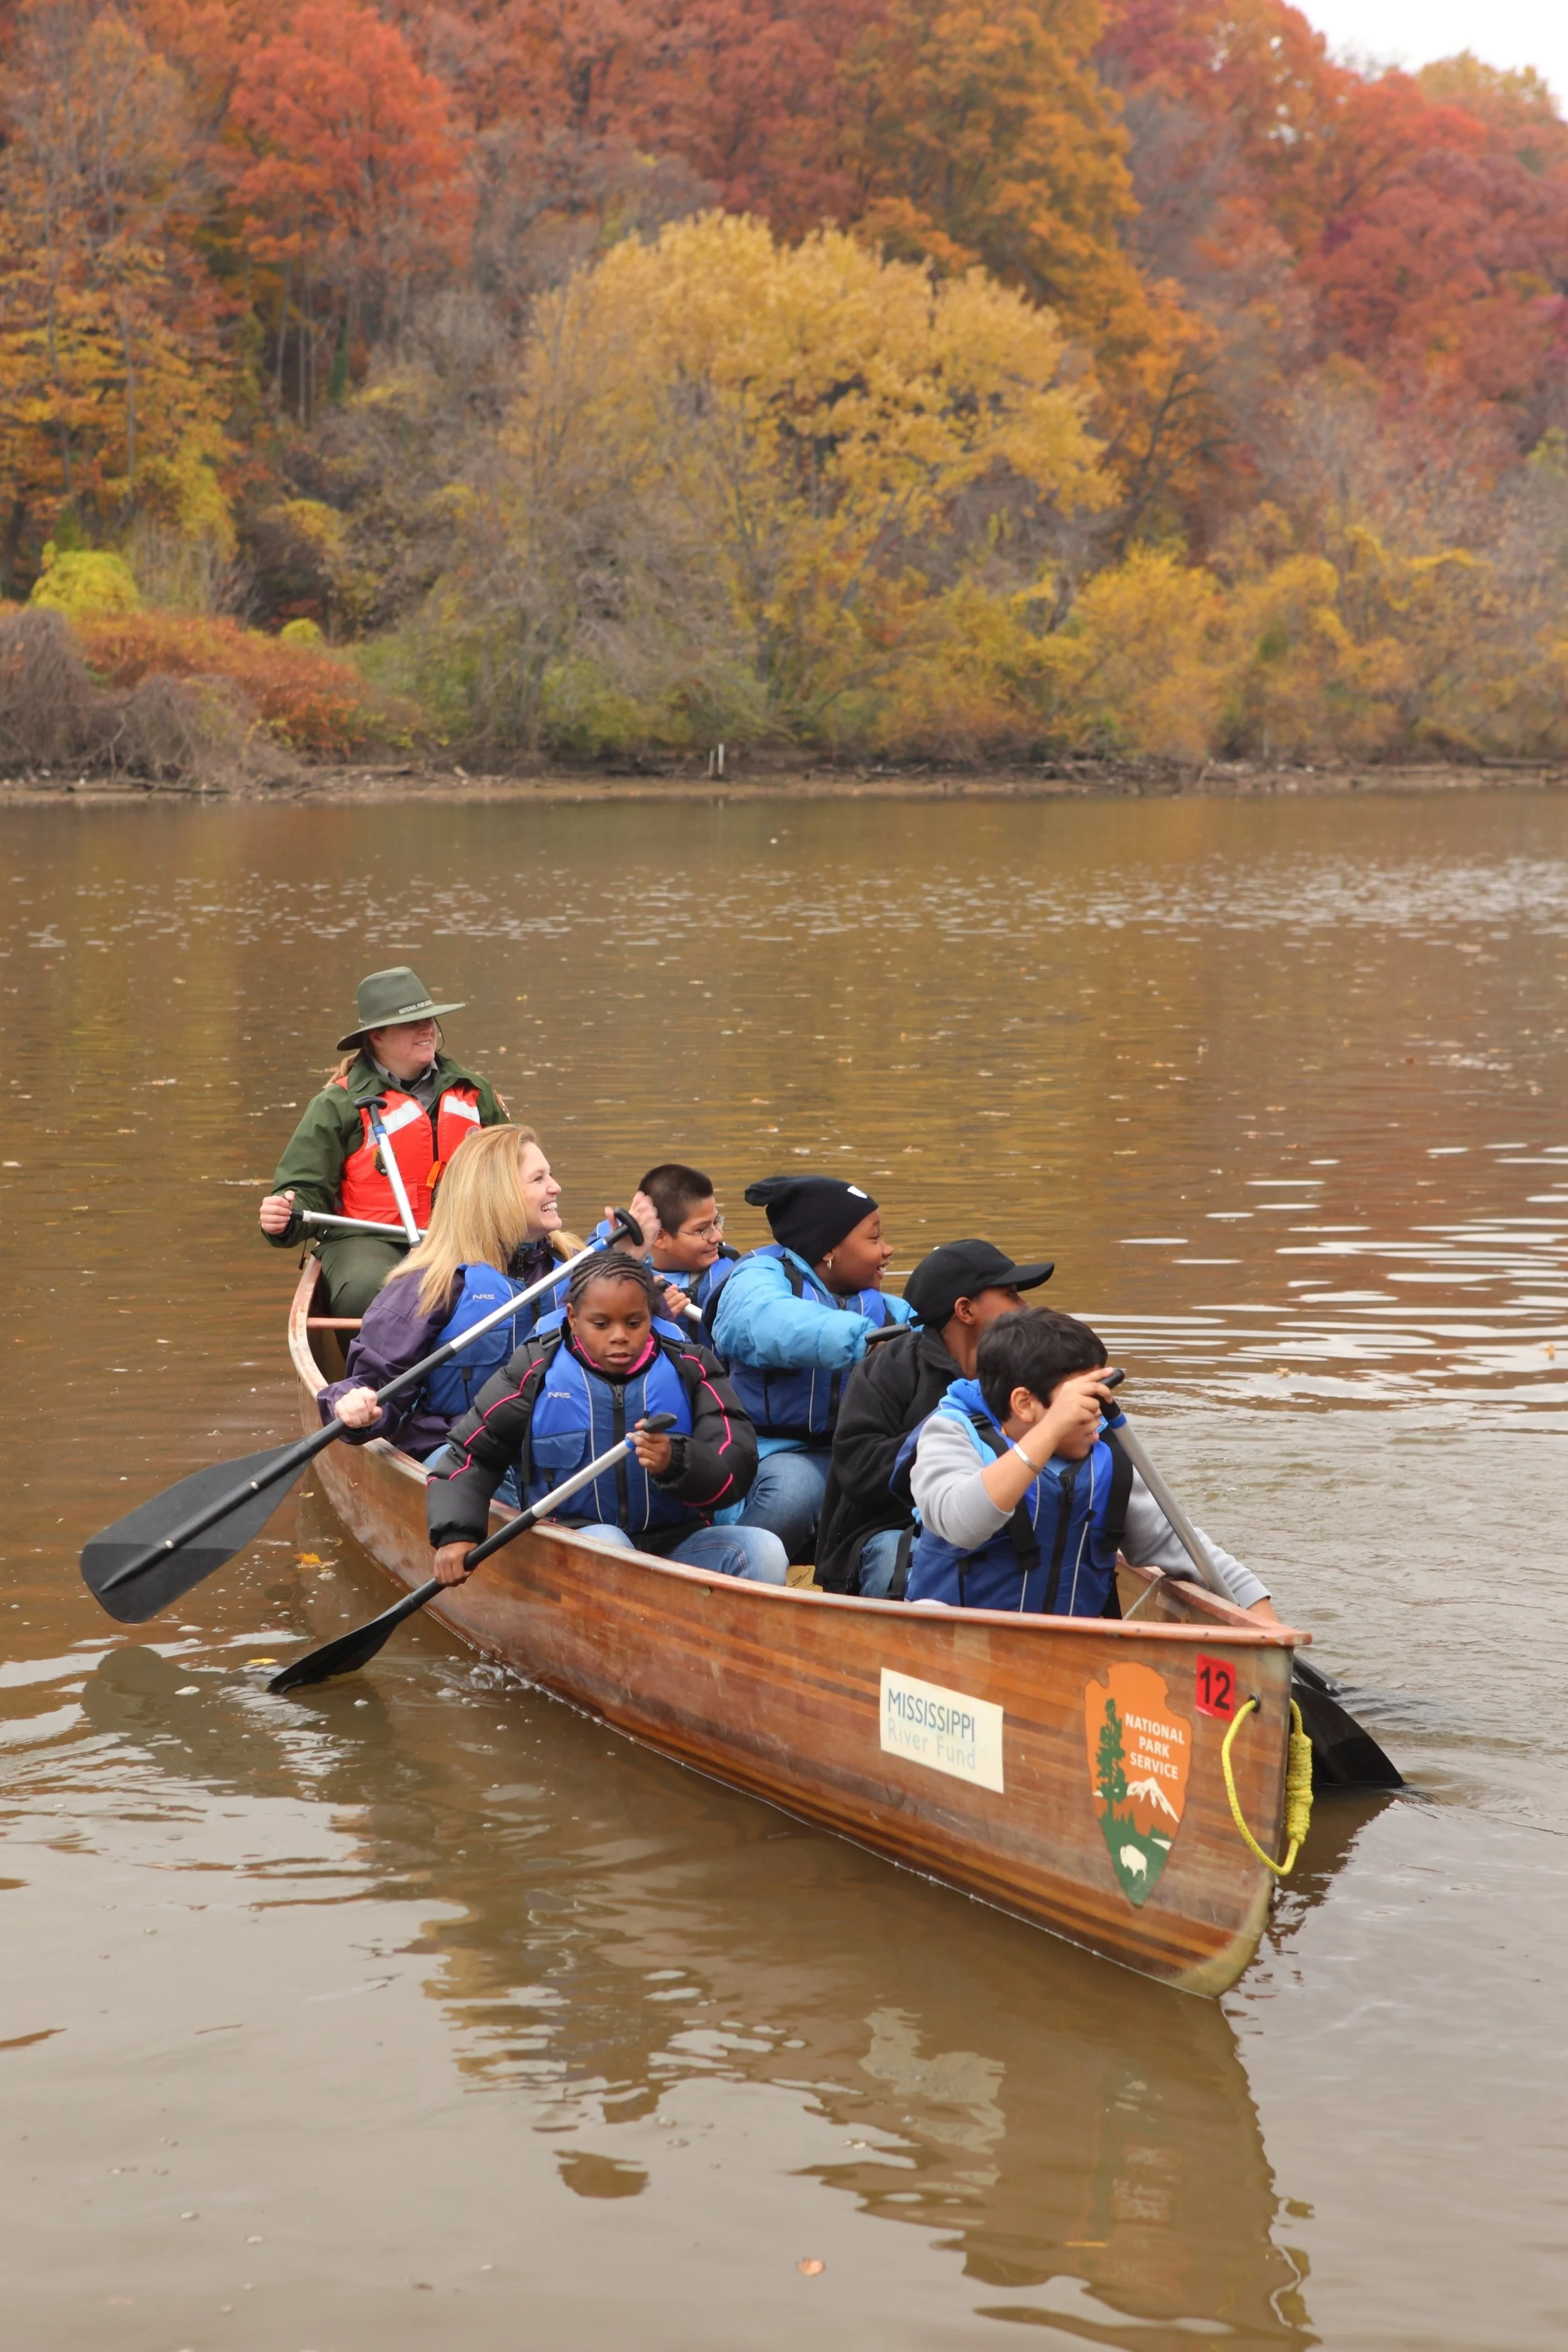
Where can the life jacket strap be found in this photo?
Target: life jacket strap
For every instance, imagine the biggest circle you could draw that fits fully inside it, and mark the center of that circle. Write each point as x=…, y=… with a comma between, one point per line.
x=1020, y=1527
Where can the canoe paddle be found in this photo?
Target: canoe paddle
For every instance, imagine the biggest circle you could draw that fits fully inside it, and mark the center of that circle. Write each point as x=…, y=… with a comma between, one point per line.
x=394, y=1172
x=352, y=1650
x=1344, y=1756
x=158, y=1551
x=352, y=1225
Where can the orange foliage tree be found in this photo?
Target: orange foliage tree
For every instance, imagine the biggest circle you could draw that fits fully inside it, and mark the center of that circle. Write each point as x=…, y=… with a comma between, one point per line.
x=355, y=181
x=112, y=377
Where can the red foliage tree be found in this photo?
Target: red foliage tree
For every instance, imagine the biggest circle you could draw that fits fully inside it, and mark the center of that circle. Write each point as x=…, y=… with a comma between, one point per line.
x=355, y=175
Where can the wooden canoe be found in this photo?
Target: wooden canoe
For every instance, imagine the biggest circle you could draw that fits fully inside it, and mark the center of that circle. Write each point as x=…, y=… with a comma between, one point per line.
x=969, y=1745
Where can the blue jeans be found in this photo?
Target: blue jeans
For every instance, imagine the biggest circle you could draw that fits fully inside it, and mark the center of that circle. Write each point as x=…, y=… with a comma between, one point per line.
x=507, y=1492
x=749, y=1552
x=786, y=1496
x=878, y=1558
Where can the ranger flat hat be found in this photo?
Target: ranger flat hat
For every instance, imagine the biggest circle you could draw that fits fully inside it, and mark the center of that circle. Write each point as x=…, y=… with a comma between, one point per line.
x=385, y=998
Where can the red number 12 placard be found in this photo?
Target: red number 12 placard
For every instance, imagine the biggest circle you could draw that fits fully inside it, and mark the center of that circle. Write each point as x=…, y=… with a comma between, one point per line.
x=1215, y=1686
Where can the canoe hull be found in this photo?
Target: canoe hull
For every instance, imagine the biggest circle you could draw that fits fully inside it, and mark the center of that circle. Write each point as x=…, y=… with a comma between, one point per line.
x=958, y=1743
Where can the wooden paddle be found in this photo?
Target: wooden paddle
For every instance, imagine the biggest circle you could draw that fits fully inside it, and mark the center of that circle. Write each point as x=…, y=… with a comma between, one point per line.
x=162, y=1548
x=1344, y=1756
x=352, y=1650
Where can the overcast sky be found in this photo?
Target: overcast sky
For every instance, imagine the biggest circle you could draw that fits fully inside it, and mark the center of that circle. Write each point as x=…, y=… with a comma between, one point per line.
x=1414, y=32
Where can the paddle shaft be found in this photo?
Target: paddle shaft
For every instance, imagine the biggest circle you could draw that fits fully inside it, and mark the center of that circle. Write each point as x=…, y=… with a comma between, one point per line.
x=390, y=1619
x=1192, y=1543
x=394, y=1172
x=293, y=1460
x=352, y=1224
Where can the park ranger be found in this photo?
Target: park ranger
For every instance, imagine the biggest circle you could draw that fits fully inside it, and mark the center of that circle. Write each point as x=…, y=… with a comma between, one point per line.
x=373, y=1144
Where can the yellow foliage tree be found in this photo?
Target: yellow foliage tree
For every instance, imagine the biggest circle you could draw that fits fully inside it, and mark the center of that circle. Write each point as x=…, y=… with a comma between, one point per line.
x=985, y=136
x=85, y=580
x=1142, y=665
x=812, y=445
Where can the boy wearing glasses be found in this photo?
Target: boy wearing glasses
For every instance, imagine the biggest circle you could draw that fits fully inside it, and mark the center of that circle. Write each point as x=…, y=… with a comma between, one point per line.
x=684, y=1239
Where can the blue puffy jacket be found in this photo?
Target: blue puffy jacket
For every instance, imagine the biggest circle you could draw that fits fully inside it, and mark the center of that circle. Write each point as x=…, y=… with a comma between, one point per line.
x=789, y=1342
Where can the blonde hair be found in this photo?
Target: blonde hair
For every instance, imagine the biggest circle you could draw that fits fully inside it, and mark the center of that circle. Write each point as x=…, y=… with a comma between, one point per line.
x=478, y=1216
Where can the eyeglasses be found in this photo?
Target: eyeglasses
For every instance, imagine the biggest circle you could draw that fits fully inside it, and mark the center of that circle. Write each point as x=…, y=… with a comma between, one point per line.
x=712, y=1230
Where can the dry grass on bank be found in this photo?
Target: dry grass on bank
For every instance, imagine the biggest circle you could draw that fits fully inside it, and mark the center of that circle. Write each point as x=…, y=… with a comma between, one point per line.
x=190, y=733
x=179, y=701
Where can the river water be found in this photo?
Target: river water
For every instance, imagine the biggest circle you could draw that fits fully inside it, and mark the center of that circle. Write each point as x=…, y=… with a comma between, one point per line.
x=423, y=2014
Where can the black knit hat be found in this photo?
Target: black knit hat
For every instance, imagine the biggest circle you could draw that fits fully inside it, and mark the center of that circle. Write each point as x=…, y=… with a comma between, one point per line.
x=810, y=1214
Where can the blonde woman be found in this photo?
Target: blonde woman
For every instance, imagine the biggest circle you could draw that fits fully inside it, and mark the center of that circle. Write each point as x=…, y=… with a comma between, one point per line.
x=495, y=1229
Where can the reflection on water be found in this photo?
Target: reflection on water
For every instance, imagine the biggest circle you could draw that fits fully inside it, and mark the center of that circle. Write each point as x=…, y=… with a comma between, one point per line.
x=618, y=1956
x=424, y=1999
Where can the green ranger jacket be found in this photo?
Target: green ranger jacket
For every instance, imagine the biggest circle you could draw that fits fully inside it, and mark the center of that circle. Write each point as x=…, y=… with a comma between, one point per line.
x=311, y=1166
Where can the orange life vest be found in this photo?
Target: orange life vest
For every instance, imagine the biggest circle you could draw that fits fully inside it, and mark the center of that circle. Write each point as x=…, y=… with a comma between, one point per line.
x=366, y=1192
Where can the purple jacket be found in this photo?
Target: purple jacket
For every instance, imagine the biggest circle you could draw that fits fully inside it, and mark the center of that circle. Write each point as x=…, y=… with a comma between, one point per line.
x=394, y=1335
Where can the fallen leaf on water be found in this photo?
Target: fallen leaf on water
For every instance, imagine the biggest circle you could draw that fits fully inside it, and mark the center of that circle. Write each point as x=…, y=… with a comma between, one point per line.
x=809, y=2266
x=308, y=1559
x=261, y=1662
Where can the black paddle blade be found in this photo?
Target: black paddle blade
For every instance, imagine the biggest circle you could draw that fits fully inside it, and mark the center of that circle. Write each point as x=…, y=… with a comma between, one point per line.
x=1343, y=1755
x=169, y=1575
x=352, y=1650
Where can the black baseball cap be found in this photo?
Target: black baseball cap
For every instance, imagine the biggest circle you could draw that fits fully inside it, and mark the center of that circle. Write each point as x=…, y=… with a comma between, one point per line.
x=962, y=1269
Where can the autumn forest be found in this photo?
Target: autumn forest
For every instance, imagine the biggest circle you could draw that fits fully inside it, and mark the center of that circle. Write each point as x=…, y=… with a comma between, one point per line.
x=889, y=378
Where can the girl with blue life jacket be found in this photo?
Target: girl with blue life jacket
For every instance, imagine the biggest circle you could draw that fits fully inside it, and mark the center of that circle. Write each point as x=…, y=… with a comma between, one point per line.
x=1023, y=1504
x=685, y=1245
x=571, y=1393
x=792, y=1321
x=495, y=1230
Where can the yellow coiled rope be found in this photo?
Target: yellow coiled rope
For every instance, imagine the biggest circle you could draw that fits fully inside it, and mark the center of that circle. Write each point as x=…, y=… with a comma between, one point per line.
x=1297, y=1788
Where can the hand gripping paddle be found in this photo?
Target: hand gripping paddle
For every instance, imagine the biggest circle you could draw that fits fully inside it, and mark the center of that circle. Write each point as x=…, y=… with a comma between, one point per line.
x=158, y=1551
x=352, y=1650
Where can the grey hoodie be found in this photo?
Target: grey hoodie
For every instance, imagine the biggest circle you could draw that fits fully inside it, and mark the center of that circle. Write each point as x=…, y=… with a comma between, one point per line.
x=945, y=1480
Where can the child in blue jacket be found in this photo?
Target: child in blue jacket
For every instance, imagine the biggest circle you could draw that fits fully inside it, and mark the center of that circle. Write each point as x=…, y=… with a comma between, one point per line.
x=792, y=1321
x=683, y=1237
x=569, y=1395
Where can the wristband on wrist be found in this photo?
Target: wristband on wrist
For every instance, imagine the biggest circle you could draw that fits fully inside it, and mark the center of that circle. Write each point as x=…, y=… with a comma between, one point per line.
x=1032, y=1467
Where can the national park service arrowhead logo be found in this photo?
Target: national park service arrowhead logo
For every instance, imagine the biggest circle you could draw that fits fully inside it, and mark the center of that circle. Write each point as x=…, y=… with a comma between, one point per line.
x=1139, y=1751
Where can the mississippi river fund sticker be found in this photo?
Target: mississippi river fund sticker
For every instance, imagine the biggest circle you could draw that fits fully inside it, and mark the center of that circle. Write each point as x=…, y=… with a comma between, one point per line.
x=946, y=1729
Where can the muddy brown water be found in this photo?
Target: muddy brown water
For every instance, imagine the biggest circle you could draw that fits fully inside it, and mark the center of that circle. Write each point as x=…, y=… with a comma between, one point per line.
x=424, y=2012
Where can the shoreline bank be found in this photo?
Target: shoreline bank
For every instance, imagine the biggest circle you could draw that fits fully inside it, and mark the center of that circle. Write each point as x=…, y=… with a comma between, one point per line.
x=350, y=785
